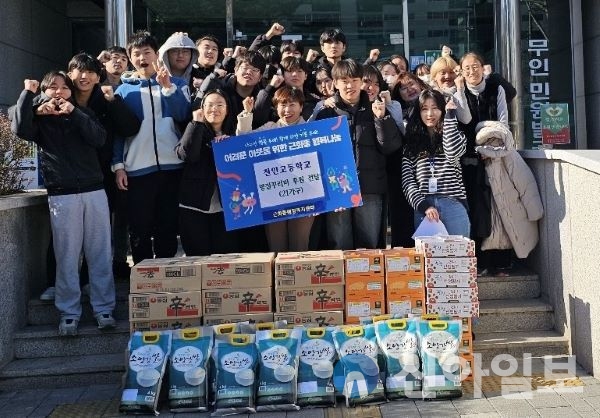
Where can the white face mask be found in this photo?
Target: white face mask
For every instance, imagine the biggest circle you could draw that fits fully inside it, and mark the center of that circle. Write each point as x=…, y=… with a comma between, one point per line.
x=425, y=78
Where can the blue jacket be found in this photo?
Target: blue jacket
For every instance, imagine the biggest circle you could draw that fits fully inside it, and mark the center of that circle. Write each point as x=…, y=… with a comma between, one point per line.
x=153, y=147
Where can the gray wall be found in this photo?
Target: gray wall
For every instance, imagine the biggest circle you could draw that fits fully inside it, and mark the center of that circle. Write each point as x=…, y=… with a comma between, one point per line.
x=567, y=255
x=591, y=53
x=35, y=37
x=25, y=232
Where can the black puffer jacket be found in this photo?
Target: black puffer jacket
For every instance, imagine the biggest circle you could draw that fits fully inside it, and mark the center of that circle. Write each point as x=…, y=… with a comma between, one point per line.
x=372, y=140
x=69, y=144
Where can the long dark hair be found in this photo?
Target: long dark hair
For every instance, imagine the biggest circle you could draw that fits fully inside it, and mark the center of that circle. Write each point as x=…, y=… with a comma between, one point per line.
x=419, y=143
x=230, y=120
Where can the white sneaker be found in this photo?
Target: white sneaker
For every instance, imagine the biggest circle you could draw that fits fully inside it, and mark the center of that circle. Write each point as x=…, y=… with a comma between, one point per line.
x=48, y=294
x=68, y=327
x=105, y=321
x=85, y=290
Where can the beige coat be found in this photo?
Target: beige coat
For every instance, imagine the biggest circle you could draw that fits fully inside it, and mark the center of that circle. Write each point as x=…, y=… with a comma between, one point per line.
x=516, y=202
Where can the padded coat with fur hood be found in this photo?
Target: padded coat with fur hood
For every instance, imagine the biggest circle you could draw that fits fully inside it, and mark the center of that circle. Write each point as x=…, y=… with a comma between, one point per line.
x=516, y=203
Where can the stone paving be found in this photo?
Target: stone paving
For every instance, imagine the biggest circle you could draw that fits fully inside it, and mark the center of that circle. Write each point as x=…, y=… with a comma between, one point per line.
x=543, y=394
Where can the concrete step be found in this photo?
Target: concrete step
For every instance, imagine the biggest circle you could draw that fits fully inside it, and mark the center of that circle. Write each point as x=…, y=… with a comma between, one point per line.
x=42, y=312
x=63, y=371
x=516, y=343
x=39, y=341
x=521, y=285
x=506, y=315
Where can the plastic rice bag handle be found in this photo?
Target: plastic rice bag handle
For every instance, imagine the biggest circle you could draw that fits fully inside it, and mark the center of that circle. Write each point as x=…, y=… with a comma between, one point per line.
x=315, y=332
x=280, y=334
x=224, y=329
x=396, y=323
x=190, y=333
x=150, y=337
x=239, y=339
x=354, y=331
x=438, y=325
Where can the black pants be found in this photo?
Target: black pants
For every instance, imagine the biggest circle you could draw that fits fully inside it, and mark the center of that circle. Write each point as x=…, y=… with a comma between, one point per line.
x=205, y=234
x=152, y=208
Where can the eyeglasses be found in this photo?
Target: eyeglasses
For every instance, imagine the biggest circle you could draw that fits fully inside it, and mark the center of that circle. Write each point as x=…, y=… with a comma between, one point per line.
x=210, y=106
x=254, y=71
x=409, y=85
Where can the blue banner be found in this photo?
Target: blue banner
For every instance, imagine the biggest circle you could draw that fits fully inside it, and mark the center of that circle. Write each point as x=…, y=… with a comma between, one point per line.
x=285, y=173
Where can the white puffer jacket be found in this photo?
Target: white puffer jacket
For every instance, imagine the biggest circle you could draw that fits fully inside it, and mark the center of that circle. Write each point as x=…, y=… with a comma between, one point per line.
x=516, y=202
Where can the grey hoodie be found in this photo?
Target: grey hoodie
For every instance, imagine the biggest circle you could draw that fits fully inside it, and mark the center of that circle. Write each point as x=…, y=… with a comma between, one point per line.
x=178, y=40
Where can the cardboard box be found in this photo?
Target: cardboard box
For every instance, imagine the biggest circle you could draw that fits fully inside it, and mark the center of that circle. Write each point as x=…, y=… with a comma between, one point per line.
x=361, y=284
x=468, y=279
x=467, y=363
x=403, y=261
x=297, y=269
x=164, y=324
x=369, y=306
x=161, y=275
x=406, y=305
x=232, y=319
x=239, y=301
x=460, y=310
x=452, y=294
x=237, y=271
x=451, y=265
x=448, y=246
x=310, y=298
x=155, y=306
x=467, y=327
x=466, y=344
x=364, y=263
x=405, y=285
x=317, y=318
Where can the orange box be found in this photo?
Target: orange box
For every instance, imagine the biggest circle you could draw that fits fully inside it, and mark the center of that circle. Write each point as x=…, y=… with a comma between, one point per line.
x=317, y=318
x=405, y=305
x=467, y=325
x=310, y=298
x=467, y=363
x=238, y=301
x=403, y=262
x=466, y=344
x=296, y=269
x=364, y=263
x=364, y=303
x=412, y=285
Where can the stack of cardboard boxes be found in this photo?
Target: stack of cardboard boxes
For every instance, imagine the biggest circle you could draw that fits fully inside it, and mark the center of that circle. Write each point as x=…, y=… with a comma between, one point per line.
x=365, y=284
x=165, y=293
x=404, y=282
x=309, y=287
x=451, y=281
x=237, y=287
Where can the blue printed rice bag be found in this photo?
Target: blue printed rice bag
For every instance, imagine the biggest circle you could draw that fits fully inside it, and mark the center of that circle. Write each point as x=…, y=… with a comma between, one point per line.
x=315, y=371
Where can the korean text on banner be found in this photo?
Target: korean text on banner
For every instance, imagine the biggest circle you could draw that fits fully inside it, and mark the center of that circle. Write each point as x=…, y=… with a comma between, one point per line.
x=286, y=173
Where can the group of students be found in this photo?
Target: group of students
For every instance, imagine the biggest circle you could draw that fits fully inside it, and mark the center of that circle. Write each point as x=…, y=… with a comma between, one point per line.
x=147, y=134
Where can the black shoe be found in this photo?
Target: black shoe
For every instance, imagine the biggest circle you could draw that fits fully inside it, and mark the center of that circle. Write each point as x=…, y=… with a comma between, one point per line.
x=121, y=270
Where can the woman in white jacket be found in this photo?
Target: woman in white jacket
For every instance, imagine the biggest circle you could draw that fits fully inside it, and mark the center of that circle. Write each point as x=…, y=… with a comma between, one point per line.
x=516, y=205
x=292, y=234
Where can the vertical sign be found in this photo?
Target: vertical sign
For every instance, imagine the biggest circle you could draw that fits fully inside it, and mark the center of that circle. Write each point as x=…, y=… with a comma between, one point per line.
x=539, y=87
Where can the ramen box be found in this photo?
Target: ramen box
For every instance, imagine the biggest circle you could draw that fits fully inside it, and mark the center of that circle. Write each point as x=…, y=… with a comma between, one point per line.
x=164, y=324
x=155, y=306
x=237, y=301
x=296, y=269
x=310, y=298
x=180, y=274
x=255, y=318
x=321, y=319
x=452, y=294
x=446, y=246
x=237, y=271
x=451, y=265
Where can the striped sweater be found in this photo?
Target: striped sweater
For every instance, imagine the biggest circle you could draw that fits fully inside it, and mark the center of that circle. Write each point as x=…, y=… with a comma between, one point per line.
x=416, y=171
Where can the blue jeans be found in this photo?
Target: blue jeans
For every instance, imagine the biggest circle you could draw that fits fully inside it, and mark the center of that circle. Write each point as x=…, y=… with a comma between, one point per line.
x=357, y=227
x=452, y=213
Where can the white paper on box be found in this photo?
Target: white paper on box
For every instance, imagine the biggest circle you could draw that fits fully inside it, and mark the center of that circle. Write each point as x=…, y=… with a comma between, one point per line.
x=446, y=246
x=358, y=308
x=452, y=294
x=461, y=310
x=451, y=265
x=468, y=279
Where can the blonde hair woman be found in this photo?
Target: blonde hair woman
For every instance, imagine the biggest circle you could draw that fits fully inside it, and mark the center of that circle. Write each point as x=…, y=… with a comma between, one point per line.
x=446, y=81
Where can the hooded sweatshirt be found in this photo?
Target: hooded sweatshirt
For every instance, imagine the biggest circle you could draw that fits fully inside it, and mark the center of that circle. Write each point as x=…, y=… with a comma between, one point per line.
x=179, y=40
